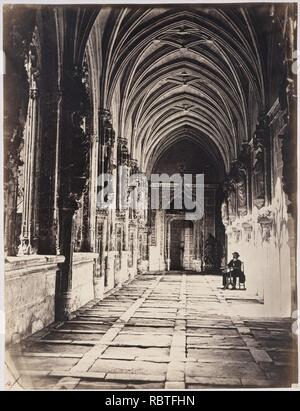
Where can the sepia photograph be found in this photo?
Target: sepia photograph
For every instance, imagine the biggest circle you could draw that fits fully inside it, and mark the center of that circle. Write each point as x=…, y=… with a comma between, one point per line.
x=150, y=197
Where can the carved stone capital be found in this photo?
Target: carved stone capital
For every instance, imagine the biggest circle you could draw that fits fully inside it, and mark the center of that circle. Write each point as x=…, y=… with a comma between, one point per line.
x=34, y=93
x=259, y=203
x=265, y=217
x=122, y=141
x=261, y=134
x=121, y=214
x=102, y=212
x=134, y=166
x=247, y=226
x=104, y=114
x=94, y=138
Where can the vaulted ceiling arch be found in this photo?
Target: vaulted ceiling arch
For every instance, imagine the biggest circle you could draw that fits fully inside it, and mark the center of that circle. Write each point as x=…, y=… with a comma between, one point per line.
x=187, y=134
x=183, y=74
x=186, y=124
x=169, y=68
x=190, y=101
x=209, y=33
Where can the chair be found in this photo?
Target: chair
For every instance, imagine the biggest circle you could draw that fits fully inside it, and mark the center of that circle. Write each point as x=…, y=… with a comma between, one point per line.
x=240, y=280
x=241, y=284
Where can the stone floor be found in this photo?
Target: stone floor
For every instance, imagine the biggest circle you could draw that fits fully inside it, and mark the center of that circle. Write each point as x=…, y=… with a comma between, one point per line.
x=162, y=330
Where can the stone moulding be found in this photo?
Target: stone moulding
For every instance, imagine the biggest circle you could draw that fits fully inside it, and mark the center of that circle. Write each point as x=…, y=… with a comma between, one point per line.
x=82, y=258
x=21, y=266
x=30, y=283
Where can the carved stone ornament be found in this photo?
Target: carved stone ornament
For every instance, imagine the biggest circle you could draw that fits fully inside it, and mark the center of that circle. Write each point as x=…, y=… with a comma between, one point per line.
x=108, y=134
x=121, y=214
x=248, y=228
x=265, y=220
x=239, y=180
x=134, y=166
x=224, y=212
x=123, y=155
x=236, y=234
x=265, y=217
x=102, y=212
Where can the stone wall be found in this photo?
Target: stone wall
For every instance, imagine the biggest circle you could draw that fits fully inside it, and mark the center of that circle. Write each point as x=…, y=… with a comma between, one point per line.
x=30, y=284
x=156, y=246
x=82, y=279
x=264, y=237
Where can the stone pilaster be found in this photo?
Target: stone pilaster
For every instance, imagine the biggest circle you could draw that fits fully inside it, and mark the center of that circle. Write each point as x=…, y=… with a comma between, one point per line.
x=29, y=231
x=74, y=159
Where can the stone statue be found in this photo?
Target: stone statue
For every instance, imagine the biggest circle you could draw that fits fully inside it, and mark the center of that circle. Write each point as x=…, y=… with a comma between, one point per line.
x=210, y=252
x=224, y=212
x=241, y=191
x=258, y=174
x=231, y=202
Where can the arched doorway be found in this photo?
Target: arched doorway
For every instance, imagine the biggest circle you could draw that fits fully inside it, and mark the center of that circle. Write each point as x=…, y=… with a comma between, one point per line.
x=181, y=245
x=182, y=237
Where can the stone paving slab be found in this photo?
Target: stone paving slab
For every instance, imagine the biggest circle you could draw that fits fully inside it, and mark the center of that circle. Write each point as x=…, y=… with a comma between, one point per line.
x=128, y=367
x=72, y=336
x=151, y=322
x=214, y=340
x=128, y=329
x=216, y=355
x=109, y=385
x=45, y=363
x=199, y=332
x=83, y=326
x=161, y=331
x=136, y=351
x=143, y=315
x=221, y=370
x=45, y=383
x=42, y=347
x=143, y=340
x=199, y=382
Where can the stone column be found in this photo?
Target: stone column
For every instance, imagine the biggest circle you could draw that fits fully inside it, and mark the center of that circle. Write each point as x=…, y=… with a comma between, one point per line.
x=168, y=244
x=11, y=189
x=19, y=35
x=29, y=230
x=64, y=296
x=100, y=244
x=106, y=166
x=74, y=160
x=271, y=276
x=198, y=238
x=123, y=161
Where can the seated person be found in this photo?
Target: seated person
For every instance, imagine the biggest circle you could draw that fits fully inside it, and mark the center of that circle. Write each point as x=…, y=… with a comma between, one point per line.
x=235, y=271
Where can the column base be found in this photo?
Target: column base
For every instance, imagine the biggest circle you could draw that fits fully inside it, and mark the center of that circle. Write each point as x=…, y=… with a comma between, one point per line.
x=110, y=270
x=98, y=283
x=63, y=306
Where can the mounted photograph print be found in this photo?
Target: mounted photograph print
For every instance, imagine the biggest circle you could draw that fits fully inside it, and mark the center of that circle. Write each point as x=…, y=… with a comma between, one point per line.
x=150, y=196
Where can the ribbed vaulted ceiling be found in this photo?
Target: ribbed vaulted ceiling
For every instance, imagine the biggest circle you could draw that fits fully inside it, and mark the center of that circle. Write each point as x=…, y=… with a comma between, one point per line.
x=174, y=73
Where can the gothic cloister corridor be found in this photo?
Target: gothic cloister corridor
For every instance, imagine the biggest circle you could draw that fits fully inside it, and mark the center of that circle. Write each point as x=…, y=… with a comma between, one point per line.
x=162, y=330
x=149, y=149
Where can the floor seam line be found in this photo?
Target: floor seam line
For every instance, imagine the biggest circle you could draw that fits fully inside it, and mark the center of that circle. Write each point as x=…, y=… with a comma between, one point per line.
x=83, y=365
